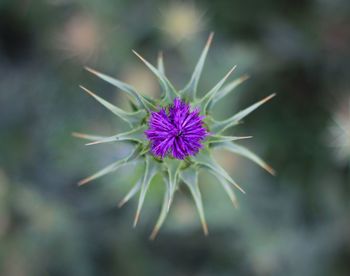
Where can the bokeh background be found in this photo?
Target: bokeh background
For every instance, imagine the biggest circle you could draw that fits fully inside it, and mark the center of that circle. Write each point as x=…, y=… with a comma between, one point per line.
x=297, y=223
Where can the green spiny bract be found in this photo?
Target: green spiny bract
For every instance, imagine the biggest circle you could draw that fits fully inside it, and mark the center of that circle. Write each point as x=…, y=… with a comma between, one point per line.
x=174, y=171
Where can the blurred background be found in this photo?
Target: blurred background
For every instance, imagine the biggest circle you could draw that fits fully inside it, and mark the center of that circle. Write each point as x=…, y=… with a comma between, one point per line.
x=297, y=223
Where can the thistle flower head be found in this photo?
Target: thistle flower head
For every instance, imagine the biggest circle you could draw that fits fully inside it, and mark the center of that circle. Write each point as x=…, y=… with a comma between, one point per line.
x=174, y=136
x=178, y=131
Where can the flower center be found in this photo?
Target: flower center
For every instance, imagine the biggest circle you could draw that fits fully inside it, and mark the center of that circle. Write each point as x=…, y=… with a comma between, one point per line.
x=176, y=130
x=179, y=133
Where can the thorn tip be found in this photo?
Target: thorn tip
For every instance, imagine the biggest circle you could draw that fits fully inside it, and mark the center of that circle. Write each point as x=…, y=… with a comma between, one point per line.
x=154, y=233
x=121, y=203
x=87, y=91
x=83, y=181
x=210, y=39
x=92, y=143
x=270, y=170
x=268, y=98
x=137, y=217
x=205, y=229
x=90, y=70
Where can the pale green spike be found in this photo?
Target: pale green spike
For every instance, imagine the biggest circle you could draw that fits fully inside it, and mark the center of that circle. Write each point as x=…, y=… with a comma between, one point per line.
x=128, y=89
x=238, y=149
x=190, y=178
x=190, y=90
x=173, y=169
x=151, y=169
x=135, y=135
x=220, y=138
x=112, y=167
x=133, y=191
x=223, y=92
x=169, y=90
x=228, y=189
x=163, y=213
x=88, y=136
x=204, y=102
x=152, y=102
x=220, y=126
x=204, y=159
x=160, y=63
x=145, y=150
x=132, y=118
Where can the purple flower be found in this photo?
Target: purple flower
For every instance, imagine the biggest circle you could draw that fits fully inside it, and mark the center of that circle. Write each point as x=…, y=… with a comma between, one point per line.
x=176, y=130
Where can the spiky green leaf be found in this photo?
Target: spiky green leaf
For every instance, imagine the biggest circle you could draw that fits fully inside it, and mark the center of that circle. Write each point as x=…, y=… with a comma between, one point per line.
x=173, y=169
x=240, y=150
x=152, y=167
x=190, y=90
x=133, y=191
x=190, y=177
x=160, y=63
x=132, y=118
x=128, y=89
x=220, y=138
x=169, y=90
x=204, y=159
x=163, y=212
x=228, y=189
x=220, y=126
x=135, y=135
x=224, y=91
x=112, y=167
x=204, y=102
x=88, y=136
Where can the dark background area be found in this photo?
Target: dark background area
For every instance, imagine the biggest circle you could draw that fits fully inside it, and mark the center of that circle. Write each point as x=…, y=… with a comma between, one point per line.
x=296, y=223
